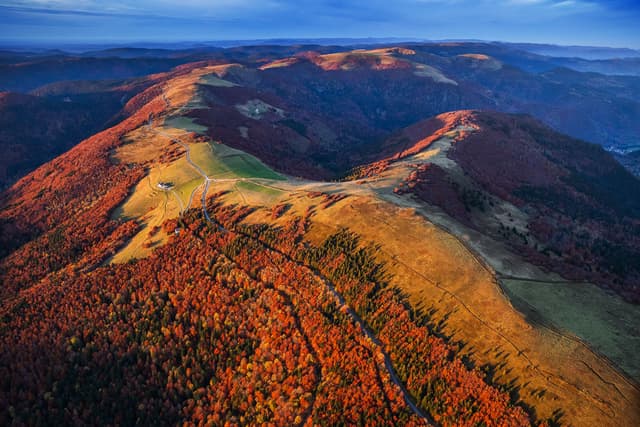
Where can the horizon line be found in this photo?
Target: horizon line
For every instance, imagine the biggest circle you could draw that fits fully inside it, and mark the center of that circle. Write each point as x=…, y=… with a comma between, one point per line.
x=49, y=43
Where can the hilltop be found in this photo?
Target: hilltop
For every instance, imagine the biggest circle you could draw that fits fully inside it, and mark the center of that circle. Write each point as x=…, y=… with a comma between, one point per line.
x=378, y=89
x=569, y=205
x=307, y=238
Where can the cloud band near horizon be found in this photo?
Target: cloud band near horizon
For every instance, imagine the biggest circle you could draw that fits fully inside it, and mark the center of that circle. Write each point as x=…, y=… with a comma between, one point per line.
x=585, y=22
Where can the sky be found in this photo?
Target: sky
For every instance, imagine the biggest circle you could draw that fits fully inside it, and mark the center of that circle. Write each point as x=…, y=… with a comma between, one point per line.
x=576, y=22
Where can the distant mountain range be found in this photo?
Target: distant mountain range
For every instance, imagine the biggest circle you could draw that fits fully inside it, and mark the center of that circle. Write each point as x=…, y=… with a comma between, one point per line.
x=327, y=113
x=601, y=108
x=584, y=52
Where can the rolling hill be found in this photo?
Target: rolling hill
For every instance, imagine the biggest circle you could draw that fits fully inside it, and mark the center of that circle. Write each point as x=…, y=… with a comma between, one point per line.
x=34, y=129
x=375, y=90
x=576, y=209
x=308, y=239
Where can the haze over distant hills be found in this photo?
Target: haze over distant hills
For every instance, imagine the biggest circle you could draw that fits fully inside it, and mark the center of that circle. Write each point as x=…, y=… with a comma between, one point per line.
x=93, y=49
x=601, y=108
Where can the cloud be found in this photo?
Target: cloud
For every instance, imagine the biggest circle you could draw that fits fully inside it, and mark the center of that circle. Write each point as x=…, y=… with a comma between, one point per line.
x=528, y=2
x=574, y=21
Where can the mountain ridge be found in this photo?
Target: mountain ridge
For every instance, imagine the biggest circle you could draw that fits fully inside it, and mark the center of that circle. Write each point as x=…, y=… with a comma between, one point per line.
x=176, y=179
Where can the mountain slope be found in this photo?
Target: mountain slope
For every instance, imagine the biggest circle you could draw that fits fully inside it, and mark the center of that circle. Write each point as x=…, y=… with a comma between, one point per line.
x=155, y=271
x=364, y=95
x=35, y=129
x=578, y=210
x=311, y=350
x=35, y=72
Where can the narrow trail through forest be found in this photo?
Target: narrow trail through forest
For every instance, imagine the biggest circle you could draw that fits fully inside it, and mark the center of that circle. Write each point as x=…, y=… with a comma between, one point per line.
x=339, y=298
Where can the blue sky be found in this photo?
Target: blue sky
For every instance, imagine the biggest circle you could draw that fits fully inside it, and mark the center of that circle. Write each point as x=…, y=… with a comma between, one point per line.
x=583, y=22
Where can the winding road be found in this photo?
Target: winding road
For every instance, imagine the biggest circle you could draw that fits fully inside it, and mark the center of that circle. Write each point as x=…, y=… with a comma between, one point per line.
x=201, y=172
x=376, y=342
x=356, y=188
x=207, y=180
x=341, y=303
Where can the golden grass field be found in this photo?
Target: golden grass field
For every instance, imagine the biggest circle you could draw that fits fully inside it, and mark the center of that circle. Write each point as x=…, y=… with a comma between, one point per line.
x=553, y=373
x=442, y=277
x=447, y=271
x=152, y=145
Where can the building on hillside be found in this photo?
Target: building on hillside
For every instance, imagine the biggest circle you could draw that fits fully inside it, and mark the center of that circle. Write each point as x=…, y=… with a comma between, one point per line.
x=165, y=185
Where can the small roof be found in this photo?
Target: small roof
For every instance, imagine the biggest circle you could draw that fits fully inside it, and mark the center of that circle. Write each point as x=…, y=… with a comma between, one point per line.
x=165, y=185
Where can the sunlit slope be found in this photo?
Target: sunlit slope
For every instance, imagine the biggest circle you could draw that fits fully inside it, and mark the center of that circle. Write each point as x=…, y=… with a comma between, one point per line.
x=448, y=279
x=552, y=372
x=448, y=269
x=151, y=205
x=179, y=160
